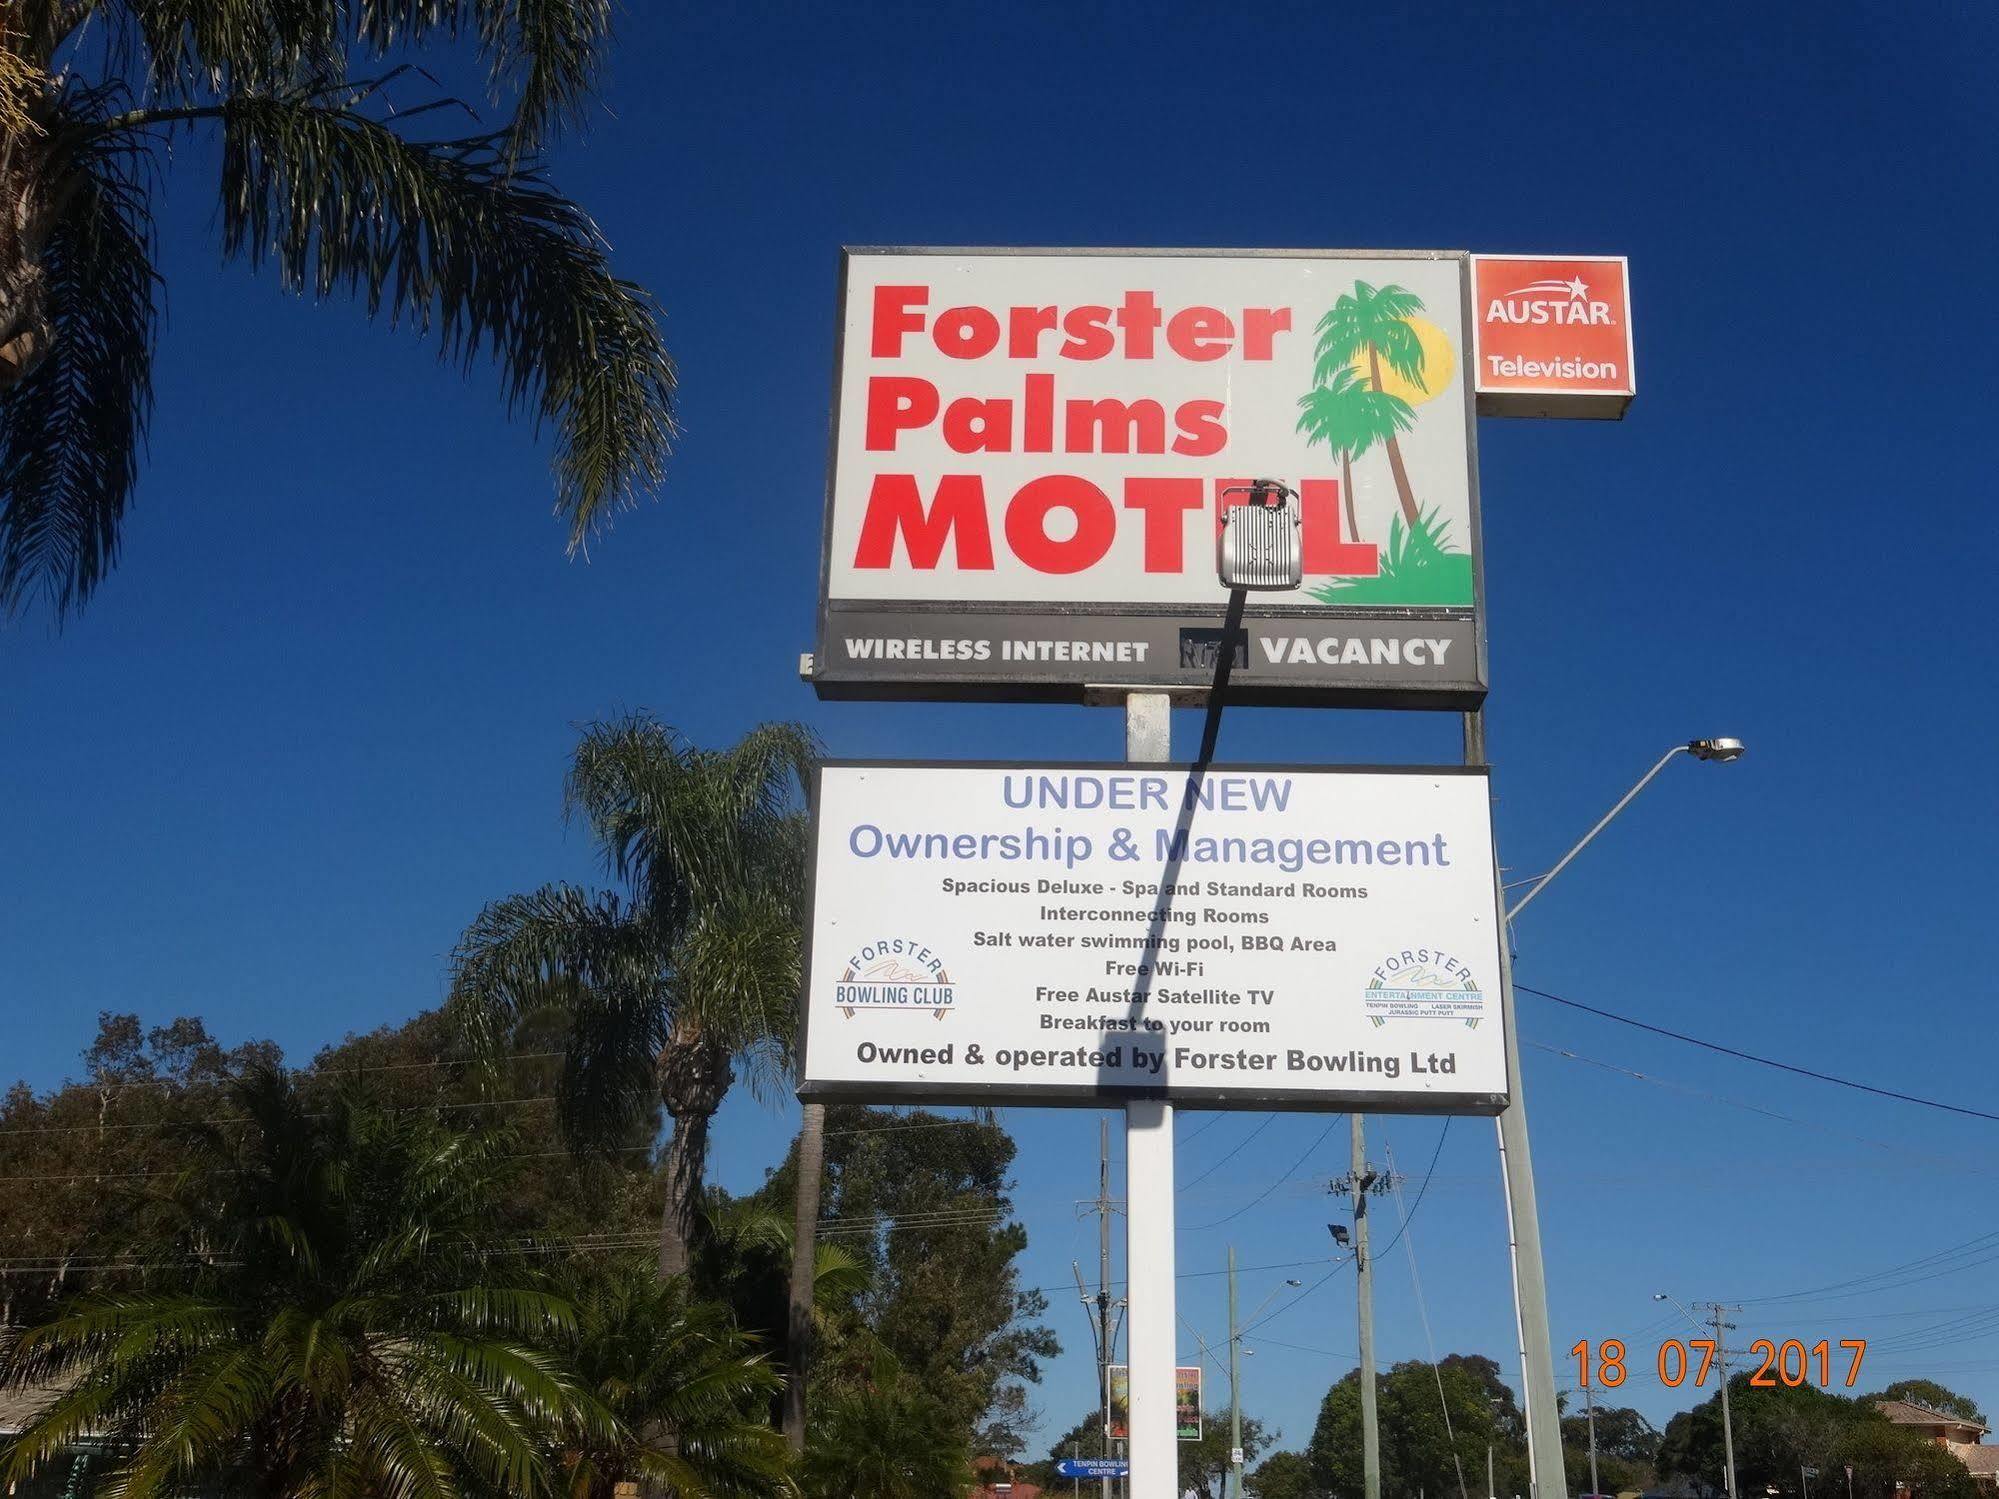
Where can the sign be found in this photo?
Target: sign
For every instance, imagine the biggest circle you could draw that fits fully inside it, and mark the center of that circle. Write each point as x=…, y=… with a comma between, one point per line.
x=1235, y=1457
x=1092, y=1467
x=1553, y=335
x=1186, y=1402
x=1030, y=450
x=1257, y=937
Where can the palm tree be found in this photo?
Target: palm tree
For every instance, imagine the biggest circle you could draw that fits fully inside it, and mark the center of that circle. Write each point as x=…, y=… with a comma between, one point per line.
x=336, y=170
x=689, y=1391
x=1349, y=415
x=330, y=1317
x=688, y=974
x=1372, y=323
x=885, y=1439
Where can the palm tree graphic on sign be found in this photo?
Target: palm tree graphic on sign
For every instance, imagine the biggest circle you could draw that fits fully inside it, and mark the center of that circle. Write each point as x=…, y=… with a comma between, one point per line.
x=1376, y=361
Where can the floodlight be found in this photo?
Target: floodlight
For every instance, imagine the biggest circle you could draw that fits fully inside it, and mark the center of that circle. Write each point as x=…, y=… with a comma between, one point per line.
x=1260, y=545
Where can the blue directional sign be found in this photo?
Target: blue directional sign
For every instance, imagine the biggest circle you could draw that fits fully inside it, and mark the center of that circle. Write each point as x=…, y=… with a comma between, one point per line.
x=1092, y=1467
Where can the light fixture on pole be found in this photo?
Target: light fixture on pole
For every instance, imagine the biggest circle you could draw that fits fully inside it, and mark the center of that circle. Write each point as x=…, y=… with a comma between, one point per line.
x=1530, y=1284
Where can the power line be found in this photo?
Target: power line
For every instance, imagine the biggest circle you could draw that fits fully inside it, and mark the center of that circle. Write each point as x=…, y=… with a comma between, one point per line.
x=1204, y=1227
x=1750, y=1056
x=1268, y=1120
x=1435, y=1155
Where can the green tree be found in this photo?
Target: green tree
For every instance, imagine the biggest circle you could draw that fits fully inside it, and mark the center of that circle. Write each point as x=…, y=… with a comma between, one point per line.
x=1932, y=1396
x=1371, y=324
x=330, y=1316
x=1626, y=1445
x=690, y=1392
x=1284, y=1475
x=1350, y=416
x=338, y=169
x=922, y=1203
x=1778, y=1430
x=1205, y=1464
x=1420, y=1447
x=885, y=1438
x=690, y=972
x=76, y=1162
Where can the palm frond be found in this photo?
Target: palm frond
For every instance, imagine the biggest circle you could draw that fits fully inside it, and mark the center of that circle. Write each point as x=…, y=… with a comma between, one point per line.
x=71, y=432
x=548, y=52
x=465, y=242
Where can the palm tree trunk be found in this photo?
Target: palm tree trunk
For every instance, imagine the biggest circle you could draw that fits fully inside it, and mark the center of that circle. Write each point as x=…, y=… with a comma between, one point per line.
x=694, y=1077
x=686, y=1152
x=1346, y=493
x=1410, y=514
x=804, y=1245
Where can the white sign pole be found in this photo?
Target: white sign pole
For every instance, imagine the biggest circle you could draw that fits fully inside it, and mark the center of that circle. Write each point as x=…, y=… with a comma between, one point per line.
x=1149, y=1245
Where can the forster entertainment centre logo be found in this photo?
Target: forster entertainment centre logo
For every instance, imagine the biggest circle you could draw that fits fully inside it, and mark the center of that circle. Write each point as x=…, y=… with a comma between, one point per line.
x=1554, y=327
x=1423, y=983
x=896, y=973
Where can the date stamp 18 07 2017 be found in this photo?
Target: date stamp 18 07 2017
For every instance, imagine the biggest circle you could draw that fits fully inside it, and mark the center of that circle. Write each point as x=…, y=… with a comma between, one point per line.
x=1791, y=1362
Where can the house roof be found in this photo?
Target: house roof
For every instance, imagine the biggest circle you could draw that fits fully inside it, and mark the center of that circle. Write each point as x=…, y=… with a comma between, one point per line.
x=1904, y=1413
x=1979, y=1458
x=20, y=1406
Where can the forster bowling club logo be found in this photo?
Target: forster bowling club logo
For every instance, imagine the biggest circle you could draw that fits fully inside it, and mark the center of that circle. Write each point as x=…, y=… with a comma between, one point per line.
x=895, y=973
x=1422, y=983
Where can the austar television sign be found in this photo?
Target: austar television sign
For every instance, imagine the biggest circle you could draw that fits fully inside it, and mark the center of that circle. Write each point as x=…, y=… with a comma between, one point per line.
x=1031, y=448
x=1553, y=335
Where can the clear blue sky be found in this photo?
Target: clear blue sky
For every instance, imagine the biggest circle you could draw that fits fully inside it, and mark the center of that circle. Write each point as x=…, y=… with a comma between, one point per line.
x=320, y=714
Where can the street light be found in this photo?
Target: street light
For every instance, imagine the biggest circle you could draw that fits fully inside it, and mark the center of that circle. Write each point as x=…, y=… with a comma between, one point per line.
x=1530, y=1285
x=1719, y=750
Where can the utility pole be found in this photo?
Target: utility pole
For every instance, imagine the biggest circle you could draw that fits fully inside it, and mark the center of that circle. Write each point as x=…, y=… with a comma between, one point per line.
x=1490, y=1491
x=1589, y=1405
x=1360, y=1183
x=1102, y=1328
x=1233, y=1488
x=1715, y=1310
x=1546, y=1479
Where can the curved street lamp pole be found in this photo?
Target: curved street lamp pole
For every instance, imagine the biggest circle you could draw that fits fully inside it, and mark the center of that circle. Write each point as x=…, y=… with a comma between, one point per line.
x=1523, y=1223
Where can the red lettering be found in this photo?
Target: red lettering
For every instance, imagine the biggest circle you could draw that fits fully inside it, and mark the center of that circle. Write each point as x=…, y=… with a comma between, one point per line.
x=1202, y=434
x=1111, y=426
x=1200, y=333
x=1089, y=333
x=1025, y=325
x=895, y=507
x=973, y=426
x=1324, y=551
x=1027, y=518
x=966, y=332
x=1038, y=418
x=897, y=403
x=1261, y=325
x=1164, y=503
x=1139, y=317
x=893, y=317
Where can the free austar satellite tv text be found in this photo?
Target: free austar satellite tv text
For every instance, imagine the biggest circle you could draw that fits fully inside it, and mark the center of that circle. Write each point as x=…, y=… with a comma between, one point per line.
x=1031, y=451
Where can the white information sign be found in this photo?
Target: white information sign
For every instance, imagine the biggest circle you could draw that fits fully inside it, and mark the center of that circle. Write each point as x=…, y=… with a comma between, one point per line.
x=1253, y=937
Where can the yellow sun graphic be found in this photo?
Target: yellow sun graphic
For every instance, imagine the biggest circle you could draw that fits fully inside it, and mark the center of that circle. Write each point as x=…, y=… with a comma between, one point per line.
x=1438, y=365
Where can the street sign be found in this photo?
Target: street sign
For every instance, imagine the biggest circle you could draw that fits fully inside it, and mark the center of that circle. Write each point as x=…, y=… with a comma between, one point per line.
x=1092, y=1467
x=1552, y=335
x=1255, y=937
x=1031, y=449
